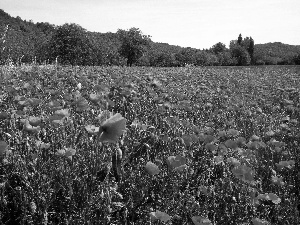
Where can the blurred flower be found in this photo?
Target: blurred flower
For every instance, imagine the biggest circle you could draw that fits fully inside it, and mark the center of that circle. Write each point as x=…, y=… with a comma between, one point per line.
x=278, y=180
x=244, y=173
x=257, y=221
x=176, y=162
x=66, y=152
x=79, y=86
x=34, y=121
x=91, y=129
x=151, y=168
x=42, y=145
x=112, y=128
x=3, y=147
x=62, y=112
x=198, y=220
x=158, y=215
x=29, y=128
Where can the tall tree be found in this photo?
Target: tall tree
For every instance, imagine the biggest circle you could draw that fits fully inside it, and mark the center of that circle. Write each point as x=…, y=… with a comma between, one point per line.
x=240, y=39
x=251, y=49
x=240, y=54
x=71, y=45
x=218, y=48
x=133, y=44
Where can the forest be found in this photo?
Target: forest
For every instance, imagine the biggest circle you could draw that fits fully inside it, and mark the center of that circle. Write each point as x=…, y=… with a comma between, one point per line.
x=70, y=44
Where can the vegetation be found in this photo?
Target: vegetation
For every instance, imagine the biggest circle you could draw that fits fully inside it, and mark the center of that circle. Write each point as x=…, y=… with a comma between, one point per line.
x=120, y=145
x=44, y=43
x=133, y=44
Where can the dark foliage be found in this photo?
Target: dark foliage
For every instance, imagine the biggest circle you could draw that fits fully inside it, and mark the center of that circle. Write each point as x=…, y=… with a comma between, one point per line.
x=23, y=41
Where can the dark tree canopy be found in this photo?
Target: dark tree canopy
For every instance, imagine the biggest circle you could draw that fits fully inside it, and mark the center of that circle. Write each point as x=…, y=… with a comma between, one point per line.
x=251, y=49
x=218, y=48
x=240, y=39
x=23, y=41
x=133, y=44
x=70, y=44
x=240, y=54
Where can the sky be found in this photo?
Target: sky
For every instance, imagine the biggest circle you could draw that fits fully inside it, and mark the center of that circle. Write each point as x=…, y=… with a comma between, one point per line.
x=187, y=23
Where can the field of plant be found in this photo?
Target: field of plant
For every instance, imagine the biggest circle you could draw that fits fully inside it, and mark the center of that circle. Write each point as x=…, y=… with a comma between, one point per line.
x=117, y=145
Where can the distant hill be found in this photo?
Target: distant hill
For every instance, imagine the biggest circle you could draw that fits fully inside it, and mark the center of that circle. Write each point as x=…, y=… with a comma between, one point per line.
x=276, y=53
x=26, y=41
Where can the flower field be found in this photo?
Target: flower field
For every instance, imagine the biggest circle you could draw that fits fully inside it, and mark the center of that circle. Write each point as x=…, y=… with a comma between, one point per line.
x=117, y=145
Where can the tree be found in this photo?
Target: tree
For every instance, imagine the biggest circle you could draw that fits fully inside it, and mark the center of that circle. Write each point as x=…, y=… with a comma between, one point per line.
x=240, y=54
x=71, y=45
x=218, y=48
x=186, y=56
x=297, y=59
x=251, y=49
x=240, y=39
x=133, y=44
x=225, y=59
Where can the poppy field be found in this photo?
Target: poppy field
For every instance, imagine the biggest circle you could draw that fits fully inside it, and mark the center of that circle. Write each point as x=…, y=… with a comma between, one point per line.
x=118, y=145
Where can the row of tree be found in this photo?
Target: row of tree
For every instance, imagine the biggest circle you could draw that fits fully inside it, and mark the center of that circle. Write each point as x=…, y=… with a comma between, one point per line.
x=24, y=42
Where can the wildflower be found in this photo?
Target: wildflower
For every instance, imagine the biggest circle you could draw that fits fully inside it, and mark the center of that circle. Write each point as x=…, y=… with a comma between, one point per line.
x=3, y=147
x=34, y=121
x=151, y=168
x=198, y=220
x=257, y=221
x=175, y=162
x=158, y=215
x=112, y=128
x=29, y=128
x=91, y=129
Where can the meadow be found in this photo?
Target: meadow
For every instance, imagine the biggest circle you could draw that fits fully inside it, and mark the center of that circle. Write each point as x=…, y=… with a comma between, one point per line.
x=119, y=145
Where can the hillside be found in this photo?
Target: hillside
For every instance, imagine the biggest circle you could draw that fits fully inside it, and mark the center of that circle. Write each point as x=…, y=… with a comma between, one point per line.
x=24, y=41
x=276, y=53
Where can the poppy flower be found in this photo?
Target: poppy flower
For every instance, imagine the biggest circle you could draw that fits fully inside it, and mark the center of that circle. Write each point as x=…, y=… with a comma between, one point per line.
x=198, y=220
x=244, y=173
x=151, y=168
x=34, y=121
x=176, y=162
x=91, y=129
x=54, y=105
x=29, y=128
x=278, y=180
x=112, y=128
x=62, y=112
x=3, y=115
x=95, y=98
x=42, y=145
x=257, y=221
x=81, y=104
x=3, y=147
x=34, y=101
x=66, y=152
x=56, y=119
x=158, y=215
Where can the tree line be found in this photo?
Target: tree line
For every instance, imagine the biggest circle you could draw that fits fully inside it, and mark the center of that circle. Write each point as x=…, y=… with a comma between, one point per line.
x=70, y=44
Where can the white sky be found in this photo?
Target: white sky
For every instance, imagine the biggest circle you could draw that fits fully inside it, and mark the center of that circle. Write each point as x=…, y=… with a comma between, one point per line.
x=187, y=23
